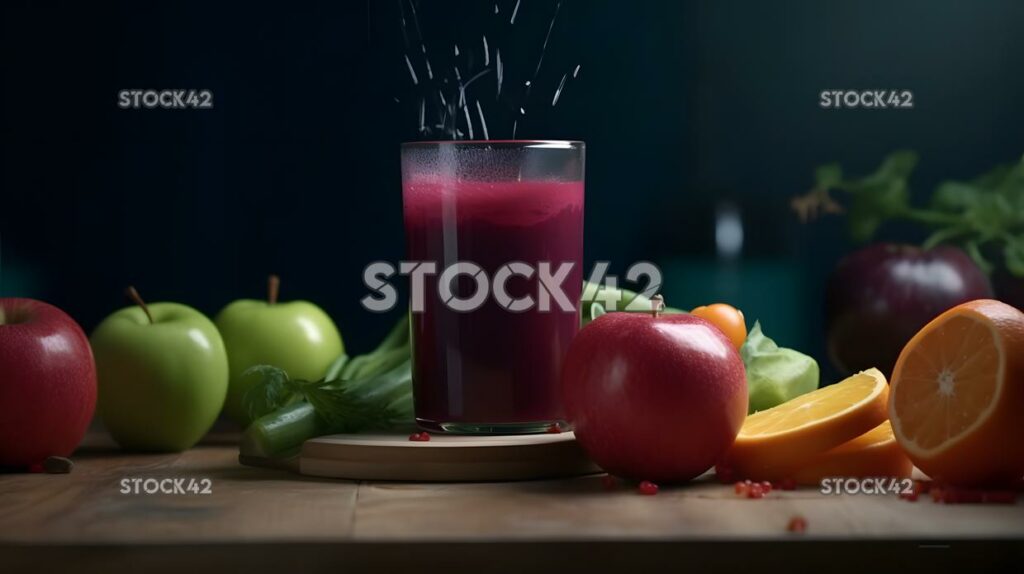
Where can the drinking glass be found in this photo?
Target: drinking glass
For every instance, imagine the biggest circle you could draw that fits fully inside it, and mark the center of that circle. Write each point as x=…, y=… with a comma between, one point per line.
x=489, y=332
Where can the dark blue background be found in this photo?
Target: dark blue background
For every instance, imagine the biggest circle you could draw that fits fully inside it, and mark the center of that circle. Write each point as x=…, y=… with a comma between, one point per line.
x=682, y=104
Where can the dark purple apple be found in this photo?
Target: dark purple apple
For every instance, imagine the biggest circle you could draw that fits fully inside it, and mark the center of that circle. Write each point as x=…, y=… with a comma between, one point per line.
x=880, y=296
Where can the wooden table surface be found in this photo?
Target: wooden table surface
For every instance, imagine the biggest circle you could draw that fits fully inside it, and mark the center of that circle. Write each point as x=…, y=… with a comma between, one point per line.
x=274, y=515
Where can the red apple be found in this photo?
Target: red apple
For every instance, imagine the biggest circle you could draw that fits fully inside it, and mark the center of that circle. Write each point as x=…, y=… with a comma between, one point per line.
x=654, y=397
x=47, y=382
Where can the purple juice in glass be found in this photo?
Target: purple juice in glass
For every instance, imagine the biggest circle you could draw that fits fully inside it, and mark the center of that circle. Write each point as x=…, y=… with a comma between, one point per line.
x=493, y=369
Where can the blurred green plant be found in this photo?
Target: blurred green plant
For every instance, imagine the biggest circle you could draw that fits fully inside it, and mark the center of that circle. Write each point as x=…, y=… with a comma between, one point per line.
x=984, y=216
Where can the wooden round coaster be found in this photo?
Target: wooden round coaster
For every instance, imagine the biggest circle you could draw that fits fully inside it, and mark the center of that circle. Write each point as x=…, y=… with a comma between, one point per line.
x=445, y=458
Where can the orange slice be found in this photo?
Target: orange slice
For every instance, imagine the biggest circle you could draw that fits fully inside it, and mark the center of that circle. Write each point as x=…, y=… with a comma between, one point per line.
x=873, y=454
x=957, y=400
x=788, y=435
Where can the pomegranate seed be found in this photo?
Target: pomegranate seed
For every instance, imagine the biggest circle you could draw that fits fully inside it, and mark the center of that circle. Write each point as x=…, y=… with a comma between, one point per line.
x=554, y=428
x=1000, y=497
x=766, y=486
x=648, y=488
x=797, y=524
x=787, y=484
x=755, y=491
x=420, y=437
x=741, y=488
x=608, y=482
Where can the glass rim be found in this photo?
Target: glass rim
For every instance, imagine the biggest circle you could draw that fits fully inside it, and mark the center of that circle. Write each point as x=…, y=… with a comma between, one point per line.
x=536, y=144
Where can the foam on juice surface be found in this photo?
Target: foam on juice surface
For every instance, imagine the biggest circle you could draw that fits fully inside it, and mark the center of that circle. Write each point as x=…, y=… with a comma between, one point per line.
x=502, y=202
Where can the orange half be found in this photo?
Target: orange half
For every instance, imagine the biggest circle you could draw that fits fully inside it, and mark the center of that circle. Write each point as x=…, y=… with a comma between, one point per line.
x=957, y=399
x=790, y=434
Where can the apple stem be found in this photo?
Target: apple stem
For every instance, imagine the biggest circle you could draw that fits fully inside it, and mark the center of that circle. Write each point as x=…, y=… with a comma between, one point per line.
x=657, y=305
x=133, y=294
x=273, y=288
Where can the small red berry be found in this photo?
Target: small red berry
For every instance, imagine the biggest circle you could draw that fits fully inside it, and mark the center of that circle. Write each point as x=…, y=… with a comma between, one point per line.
x=797, y=524
x=766, y=486
x=554, y=428
x=648, y=488
x=741, y=488
x=609, y=482
x=420, y=437
x=755, y=491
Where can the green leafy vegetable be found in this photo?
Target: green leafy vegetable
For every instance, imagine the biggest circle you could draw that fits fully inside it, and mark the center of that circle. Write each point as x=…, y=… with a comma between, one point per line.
x=775, y=374
x=368, y=392
x=984, y=216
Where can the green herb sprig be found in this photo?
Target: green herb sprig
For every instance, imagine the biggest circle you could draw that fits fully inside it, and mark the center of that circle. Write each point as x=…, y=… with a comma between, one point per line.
x=984, y=215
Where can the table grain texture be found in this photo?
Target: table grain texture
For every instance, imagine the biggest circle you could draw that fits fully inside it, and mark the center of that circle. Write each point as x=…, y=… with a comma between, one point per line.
x=265, y=518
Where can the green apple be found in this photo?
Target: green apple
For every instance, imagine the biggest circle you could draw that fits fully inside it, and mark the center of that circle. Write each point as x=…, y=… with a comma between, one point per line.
x=298, y=337
x=163, y=375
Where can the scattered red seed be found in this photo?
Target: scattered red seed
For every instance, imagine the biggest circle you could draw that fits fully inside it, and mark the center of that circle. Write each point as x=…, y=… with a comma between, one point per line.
x=755, y=491
x=766, y=486
x=787, y=484
x=948, y=494
x=554, y=428
x=797, y=524
x=648, y=488
x=420, y=437
x=741, y=488
x=609, y=482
